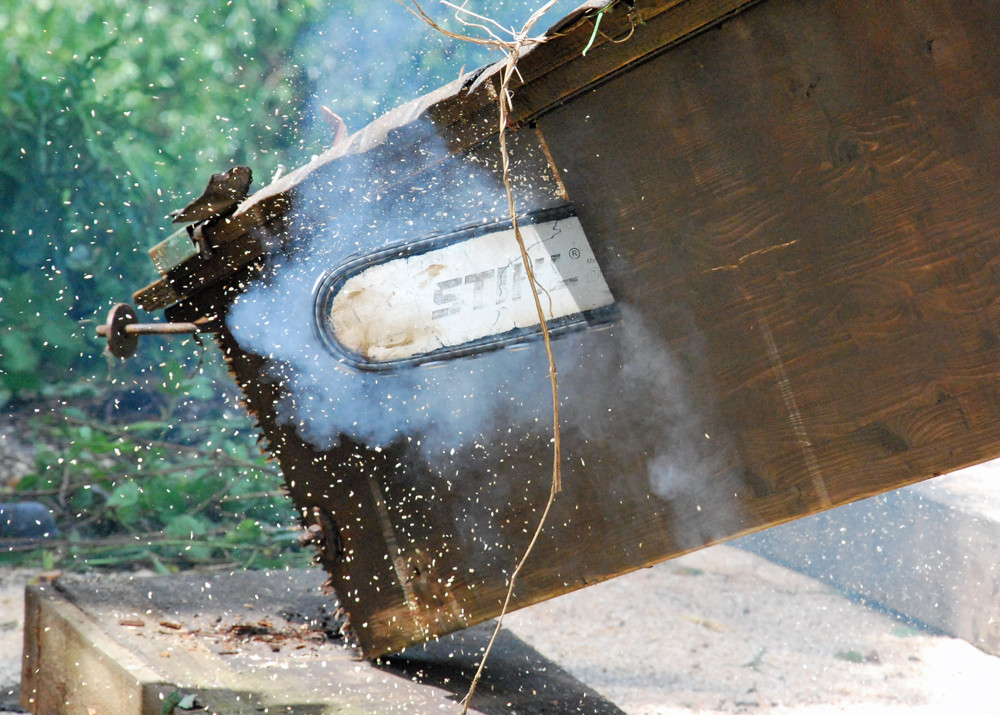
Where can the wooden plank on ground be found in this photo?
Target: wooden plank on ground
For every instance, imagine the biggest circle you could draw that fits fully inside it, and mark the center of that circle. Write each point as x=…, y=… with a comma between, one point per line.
x=71, y=667
x=255, y=642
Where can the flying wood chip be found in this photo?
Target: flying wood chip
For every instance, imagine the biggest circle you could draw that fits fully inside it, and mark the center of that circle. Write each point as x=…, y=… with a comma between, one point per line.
x=223, y=194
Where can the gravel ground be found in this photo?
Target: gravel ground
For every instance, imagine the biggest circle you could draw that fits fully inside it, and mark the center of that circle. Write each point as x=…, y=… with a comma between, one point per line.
x=717, y=631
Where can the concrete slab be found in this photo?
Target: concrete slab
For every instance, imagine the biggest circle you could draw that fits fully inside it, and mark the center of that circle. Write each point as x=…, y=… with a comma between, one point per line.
x=723, y=630
x=930, y=552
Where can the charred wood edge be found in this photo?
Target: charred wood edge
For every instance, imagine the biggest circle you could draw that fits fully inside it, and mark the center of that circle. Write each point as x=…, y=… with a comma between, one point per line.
x=462, y=114
x=279, y=442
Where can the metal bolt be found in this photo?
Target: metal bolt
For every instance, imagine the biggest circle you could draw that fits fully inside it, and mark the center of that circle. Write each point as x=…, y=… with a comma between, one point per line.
x=123, y=330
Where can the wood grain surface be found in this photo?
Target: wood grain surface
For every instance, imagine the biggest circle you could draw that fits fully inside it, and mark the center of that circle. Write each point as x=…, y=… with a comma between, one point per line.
x=795, y=209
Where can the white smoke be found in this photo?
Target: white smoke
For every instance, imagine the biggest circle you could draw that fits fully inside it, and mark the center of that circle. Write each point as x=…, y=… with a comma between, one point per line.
x=622, y=386
x=325, y=399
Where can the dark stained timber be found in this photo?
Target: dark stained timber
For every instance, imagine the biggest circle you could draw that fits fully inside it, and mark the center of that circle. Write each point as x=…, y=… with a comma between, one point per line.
x=794, y=205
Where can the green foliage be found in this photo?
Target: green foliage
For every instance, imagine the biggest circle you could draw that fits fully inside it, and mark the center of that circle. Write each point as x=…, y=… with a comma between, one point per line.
x=115, y=113
x=110, y=111
x=186, y=485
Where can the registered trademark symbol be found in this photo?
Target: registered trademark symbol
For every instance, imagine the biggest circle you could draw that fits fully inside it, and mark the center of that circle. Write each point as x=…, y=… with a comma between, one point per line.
x=574, y=253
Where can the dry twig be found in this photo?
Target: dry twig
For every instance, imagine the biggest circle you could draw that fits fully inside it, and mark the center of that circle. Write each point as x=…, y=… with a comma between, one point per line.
x=512, y=49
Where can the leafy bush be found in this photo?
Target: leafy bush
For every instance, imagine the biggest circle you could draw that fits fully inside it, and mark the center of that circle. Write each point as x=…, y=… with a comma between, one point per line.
x=115, y=113
x=110, y=109
x=174, y=485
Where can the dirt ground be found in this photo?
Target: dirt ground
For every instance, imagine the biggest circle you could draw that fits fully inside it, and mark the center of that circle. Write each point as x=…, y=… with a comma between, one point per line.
x=717, y=631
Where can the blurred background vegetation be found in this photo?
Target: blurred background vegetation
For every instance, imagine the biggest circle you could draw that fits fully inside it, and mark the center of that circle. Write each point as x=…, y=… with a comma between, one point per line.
x=113, y=114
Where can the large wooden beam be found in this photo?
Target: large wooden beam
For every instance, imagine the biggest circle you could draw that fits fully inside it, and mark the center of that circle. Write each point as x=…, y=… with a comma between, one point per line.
x=796, y=214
